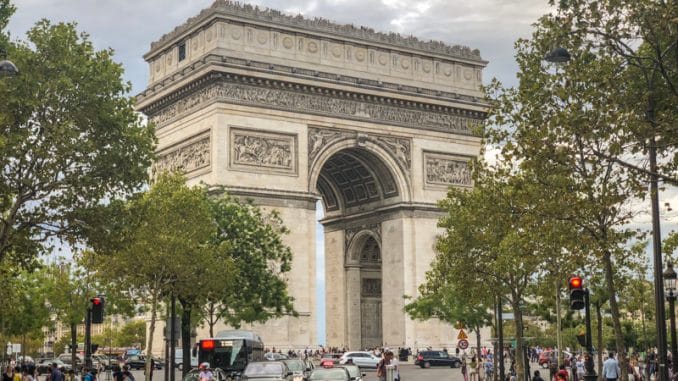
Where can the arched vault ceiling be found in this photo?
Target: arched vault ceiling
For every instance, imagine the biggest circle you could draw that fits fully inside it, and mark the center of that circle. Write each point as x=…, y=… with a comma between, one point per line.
x=354, y=177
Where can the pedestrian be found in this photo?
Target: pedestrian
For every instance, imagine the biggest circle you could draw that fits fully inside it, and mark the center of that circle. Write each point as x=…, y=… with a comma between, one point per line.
x=8, y=374
x=381, y=366
x=562, y=374
x=17, y=374
x=464, y=370
x=537, y=376
x=396, y=368
x=611, y=369
x=474, y=369
x=205, y=372
x=48, y=376
x=489, y=369
x=580, y=368
x=57, y=374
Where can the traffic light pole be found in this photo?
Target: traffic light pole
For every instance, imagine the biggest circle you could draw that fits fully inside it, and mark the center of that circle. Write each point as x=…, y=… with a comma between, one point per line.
x=88, y=337
x=590, y=374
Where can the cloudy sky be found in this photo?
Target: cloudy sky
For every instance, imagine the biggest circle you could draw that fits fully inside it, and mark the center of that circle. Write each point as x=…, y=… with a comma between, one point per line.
x=492, y=26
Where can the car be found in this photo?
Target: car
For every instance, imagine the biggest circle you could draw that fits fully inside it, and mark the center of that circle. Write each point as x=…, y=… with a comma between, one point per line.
x=267, y=371
x=427, y=359
x=299, y=367
x=273, y=356
x=360, y=358
x=42, y=366
x=136, y=362
x=334, y=374
x=330, y=357
x=107, y=361
x=194, y=375
x=354, y=372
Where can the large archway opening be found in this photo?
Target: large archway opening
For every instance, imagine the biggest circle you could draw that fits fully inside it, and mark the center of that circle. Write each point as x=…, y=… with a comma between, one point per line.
x=354, y=185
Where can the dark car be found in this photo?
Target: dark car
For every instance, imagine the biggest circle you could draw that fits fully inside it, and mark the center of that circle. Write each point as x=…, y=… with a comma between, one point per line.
x=427, y=359
x=267, y=371
x=136, y=362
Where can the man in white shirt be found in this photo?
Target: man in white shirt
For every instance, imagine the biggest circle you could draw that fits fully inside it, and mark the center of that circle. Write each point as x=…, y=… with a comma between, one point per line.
x=611, y=371
x=205, y=372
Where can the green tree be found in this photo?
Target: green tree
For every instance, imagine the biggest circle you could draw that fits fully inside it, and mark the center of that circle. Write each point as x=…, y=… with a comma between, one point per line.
x=166, y=232
x=130, y=334
x=72, y=139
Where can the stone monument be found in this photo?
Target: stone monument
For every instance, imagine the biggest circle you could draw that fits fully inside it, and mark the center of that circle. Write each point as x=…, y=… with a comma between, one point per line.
x=287, y=111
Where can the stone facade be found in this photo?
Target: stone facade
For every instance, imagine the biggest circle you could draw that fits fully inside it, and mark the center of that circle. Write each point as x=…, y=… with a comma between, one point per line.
x=288, y=111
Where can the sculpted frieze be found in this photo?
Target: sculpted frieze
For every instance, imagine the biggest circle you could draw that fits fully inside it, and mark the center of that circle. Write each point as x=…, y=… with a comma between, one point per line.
x=263, y=150
x=446, y=170
x=400, y=149
x=318, y=138
x=186, y=159
x=317, y=101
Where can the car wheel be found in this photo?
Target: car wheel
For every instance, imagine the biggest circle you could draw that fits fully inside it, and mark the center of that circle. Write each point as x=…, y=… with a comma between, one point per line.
x=426, y=364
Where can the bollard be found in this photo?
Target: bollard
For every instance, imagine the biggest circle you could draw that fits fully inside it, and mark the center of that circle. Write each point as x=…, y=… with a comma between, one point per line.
x=390, y=372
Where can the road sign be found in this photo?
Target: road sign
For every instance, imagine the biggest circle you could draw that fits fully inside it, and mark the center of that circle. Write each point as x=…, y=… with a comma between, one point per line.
x=462, y=344
x=462, y=335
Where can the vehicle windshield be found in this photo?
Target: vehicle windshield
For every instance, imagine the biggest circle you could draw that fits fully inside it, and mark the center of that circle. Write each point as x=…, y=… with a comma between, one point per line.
x=231, y=356
x=296, y=365
x=329, y=374
x=264, y=369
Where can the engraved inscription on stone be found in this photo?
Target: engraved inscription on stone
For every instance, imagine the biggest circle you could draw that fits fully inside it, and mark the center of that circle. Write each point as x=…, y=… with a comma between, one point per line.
x=266, y=151
x=186, y=158
x=443, y=169
x=371, y=287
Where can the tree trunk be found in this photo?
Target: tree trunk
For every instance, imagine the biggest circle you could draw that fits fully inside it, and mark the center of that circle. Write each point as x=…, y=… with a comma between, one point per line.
x=186, y=336
x=599, y=340
x=74, y=345
x=478, y=344
x=614, y=309
x=213, y=318
x=151, y=331
x=520, y=351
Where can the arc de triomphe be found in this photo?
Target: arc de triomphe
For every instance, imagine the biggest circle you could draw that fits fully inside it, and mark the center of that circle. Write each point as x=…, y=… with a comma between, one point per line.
x=287, y=110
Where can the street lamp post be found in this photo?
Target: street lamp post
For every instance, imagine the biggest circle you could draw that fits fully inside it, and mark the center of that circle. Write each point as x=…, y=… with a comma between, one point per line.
x=560, y=55
x=670, y=289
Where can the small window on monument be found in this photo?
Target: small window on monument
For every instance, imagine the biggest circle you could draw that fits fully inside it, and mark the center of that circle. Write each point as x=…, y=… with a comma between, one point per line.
x=182, y=51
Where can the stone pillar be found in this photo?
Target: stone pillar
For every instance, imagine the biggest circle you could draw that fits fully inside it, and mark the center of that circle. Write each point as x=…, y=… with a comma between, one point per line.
x=392, y=254
x=335, y=288
x=353, y=313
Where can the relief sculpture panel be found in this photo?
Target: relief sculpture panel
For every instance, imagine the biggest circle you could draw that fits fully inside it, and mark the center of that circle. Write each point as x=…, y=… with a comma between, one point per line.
x=263, y=151
x=444, y=170
x=186, y=158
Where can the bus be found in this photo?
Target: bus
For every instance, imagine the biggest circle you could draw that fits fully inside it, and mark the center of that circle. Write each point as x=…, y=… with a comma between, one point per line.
x=231, y=350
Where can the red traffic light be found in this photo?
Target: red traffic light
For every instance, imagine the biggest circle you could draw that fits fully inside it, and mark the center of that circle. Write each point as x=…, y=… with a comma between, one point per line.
x=575, y=283
x=96, y=301
x=207, y=344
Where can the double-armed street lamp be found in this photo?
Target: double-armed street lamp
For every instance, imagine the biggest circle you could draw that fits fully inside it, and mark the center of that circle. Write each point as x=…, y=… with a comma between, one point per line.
x=671, y=293
x=560, y=55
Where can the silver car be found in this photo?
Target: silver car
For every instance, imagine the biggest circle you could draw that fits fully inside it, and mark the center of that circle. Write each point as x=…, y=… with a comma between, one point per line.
x=360, y=358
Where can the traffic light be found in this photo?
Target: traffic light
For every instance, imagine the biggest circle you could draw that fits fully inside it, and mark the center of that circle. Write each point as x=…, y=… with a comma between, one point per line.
x=576, y=287
x=97, y=305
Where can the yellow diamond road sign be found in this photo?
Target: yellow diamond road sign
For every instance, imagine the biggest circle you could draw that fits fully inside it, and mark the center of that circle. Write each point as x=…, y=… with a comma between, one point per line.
x=462, y=335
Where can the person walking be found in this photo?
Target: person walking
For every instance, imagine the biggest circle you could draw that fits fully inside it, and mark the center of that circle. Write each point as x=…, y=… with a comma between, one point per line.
x=381, y=366
x=537, y=376
x=474, y=369
x=464, y=370
x=611, y=369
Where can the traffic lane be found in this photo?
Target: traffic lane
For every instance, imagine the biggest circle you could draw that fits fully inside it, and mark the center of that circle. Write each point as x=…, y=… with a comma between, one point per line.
x=410, y=372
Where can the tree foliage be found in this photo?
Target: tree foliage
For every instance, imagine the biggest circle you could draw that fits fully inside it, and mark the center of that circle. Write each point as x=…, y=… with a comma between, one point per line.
x=71, y=138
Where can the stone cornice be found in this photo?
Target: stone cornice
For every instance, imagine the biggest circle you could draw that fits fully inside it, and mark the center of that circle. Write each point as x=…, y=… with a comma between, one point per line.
x=315, y=100
x=274, y=17
x=301, y=73
x=400, y=210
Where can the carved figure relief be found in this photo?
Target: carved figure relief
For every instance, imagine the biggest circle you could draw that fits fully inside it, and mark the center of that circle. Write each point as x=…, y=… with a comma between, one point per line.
x=186, y=158
x=442, y=169
x=269, y=151
x=399, y=148
x=350, y=233
x=321, y=137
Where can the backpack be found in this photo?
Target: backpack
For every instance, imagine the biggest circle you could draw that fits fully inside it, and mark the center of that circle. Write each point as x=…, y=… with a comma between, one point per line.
x=381, y=369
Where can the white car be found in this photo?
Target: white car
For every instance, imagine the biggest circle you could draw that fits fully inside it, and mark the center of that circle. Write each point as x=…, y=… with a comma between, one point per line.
x=359, y=358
